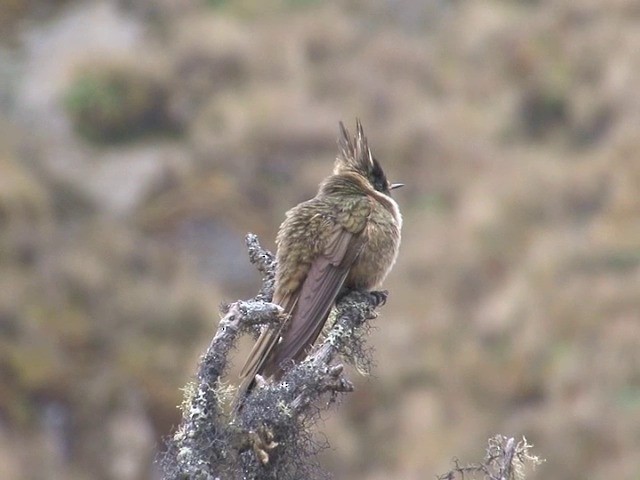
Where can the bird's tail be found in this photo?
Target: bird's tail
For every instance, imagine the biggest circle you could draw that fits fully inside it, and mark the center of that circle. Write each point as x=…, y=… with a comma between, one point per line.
x=254, y=365
x=243, y=390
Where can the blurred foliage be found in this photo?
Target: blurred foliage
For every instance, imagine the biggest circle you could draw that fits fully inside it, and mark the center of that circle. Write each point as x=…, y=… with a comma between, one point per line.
x=543, y=110
x=253, y=7
x=112, y=102
x=12, y=12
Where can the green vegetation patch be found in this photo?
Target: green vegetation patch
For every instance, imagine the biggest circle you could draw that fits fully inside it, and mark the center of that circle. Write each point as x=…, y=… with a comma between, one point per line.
x=112, y=103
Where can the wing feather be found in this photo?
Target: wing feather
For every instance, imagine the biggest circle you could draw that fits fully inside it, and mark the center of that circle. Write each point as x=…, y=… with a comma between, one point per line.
x=317, y=295
x=310, y=304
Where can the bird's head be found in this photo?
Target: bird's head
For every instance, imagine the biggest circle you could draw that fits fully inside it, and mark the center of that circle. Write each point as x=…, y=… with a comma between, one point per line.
x=355, y=159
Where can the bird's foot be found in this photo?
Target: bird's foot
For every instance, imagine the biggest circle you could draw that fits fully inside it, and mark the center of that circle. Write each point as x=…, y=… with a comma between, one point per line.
x=379, y=297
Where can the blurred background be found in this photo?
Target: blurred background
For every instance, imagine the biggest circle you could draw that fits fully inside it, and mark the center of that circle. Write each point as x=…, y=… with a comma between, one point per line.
x=141, y=140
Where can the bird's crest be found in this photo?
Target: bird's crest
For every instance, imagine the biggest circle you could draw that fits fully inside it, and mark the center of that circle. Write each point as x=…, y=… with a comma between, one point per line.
x=354, y=153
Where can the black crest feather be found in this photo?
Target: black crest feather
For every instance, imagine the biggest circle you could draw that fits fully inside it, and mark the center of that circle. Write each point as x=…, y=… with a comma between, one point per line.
x=354, y=155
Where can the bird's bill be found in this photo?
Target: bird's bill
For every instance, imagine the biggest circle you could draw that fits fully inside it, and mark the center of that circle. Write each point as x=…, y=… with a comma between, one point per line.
x=393, y=186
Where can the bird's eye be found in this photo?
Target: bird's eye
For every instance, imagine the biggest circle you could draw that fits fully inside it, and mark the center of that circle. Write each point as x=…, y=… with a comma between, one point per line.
x=381, y=185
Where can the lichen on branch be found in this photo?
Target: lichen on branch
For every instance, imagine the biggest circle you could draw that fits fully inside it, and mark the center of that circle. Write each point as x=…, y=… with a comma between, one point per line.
x=271, y=437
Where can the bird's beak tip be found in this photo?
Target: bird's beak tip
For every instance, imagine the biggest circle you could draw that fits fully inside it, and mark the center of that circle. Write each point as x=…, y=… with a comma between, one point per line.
x=396, y=185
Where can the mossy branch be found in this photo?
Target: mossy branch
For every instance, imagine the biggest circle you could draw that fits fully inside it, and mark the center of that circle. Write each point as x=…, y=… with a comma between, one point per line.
x=271, y=437
x=505, y=459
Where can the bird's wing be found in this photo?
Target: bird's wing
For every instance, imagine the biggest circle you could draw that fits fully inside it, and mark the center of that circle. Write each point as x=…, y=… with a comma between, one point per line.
x=316, y=297
x=309, y=305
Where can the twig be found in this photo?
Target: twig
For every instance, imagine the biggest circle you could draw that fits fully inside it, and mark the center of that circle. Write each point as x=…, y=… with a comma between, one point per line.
x=505, y=459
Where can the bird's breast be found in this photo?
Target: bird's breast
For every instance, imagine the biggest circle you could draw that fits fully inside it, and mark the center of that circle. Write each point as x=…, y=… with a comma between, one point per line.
x=379, y=253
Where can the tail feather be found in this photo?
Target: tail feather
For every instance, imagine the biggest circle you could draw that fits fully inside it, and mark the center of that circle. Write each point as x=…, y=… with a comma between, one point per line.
x=261, y=352
x=252, y=367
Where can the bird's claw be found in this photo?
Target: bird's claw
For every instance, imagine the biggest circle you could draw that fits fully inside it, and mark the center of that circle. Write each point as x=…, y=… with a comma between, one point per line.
x=379, y=297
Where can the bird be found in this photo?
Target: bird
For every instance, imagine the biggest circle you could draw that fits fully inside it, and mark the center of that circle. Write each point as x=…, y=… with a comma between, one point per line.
x=345, y=238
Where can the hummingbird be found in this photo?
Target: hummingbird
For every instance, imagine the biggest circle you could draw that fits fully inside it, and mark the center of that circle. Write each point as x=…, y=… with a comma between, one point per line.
x=345, y=238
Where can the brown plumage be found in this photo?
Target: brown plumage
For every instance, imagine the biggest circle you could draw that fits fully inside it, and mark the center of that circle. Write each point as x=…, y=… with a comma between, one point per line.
x=347, y=236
